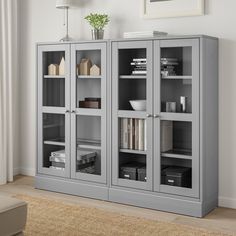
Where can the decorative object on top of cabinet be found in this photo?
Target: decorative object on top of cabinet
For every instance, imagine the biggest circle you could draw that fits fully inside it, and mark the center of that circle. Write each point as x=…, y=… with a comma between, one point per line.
x=65, y=4
x=171, y=8
x=139, y=66
x=62, y=67
x=95, y=70
x=98, y=22
x=53, y=69
x=166, y=136
x=138, y=105
x=85, y=65
x=94, y=103
x=144, y=34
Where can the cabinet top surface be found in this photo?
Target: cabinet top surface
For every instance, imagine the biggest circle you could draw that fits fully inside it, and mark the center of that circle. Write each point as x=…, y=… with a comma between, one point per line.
x=130, y=39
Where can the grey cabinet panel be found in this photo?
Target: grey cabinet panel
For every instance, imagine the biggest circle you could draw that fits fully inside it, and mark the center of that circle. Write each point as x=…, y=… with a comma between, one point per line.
x=89, y=124
x=53, y=120
x=177, y=49
x=125, y=88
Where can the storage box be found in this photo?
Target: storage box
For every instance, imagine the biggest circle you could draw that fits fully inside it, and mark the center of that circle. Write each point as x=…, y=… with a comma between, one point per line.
x=129, y=170
x=142, y=176
x=177, y=176
x=90, y=103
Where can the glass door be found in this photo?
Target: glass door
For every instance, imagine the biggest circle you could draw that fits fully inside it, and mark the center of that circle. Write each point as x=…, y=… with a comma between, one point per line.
x=176, y=123
x=132, y=114
x=53, y=110
x=88, y=101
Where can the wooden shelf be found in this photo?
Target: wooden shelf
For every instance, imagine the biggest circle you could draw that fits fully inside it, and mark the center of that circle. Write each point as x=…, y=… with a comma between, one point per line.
x=132, y=76
x=54, y=76
x=89, y=77
x=132, y=114
x=177, y=77
x=179, y=154
x=133, y=151
x=89, y=144
x=88, y=111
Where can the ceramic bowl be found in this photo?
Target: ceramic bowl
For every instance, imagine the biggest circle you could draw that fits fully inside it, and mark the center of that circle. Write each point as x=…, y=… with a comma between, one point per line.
x=138, y=105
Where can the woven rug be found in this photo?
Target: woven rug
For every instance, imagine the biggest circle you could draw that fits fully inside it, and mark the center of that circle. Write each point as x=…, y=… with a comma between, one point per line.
x=52, y=217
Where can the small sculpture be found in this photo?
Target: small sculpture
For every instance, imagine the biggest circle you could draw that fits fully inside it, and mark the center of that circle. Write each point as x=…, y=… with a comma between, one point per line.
x=53, y=69
x=95, y=70
x=62, y=67
x=85, y=66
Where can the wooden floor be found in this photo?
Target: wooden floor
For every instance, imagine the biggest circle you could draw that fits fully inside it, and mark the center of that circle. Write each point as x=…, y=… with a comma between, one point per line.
x=221, y=219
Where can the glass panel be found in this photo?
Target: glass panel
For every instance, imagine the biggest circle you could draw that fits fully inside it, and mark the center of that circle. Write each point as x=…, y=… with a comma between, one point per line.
x=54, y=141
x=132, y=79
x=176, y=153
x=176, y=82
x=88, y=85
x=54, y=79
x=88, y=145
x=132, y=154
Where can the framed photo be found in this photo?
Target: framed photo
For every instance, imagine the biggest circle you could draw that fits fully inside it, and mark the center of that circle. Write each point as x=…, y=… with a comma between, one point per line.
x=172, y=8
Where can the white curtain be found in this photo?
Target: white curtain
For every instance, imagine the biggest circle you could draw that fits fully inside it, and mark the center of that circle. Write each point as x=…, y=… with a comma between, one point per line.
x=8, y=89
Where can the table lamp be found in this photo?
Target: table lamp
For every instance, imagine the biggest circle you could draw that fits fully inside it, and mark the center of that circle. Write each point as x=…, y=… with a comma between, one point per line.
x=65, y=4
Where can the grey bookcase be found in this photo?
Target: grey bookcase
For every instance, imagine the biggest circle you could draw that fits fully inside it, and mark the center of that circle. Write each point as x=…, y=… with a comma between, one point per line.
x=151, y=158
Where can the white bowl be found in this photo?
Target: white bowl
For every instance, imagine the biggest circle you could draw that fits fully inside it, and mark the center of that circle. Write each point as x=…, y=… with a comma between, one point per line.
x=138, y=105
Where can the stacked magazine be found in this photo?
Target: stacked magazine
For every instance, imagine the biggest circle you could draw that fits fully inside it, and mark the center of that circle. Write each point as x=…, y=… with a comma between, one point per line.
x=133, y=134
x=84, y=159
x=169, y=66
x=139, y=66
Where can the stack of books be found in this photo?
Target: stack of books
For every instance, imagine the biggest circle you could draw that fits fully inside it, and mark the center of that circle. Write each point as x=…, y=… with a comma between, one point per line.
x=168, y=66
x=144, y=34
x=58, y=160
x=86, y=161
x=139, y=66
x=133, y=134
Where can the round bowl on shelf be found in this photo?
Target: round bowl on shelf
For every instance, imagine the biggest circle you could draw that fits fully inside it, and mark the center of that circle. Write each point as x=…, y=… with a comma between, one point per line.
x=138, y=105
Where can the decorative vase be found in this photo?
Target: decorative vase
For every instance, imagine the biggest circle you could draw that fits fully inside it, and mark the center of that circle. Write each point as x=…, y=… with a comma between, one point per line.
x=97, y=34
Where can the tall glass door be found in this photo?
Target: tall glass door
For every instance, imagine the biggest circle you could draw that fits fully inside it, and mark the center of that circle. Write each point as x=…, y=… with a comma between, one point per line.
x=88, y=117
x=176, y=122
x=53, y=110
x=132, y=114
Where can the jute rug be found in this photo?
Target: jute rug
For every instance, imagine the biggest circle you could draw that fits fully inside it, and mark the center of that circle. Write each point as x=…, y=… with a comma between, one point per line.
x=50, y=217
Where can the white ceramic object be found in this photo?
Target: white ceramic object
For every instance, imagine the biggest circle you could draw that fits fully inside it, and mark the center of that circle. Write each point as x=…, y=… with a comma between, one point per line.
x=138, y=105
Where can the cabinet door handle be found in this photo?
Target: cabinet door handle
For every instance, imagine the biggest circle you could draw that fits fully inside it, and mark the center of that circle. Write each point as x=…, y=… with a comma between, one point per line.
x=156, y=116
x=73, y=111
x=149, y=115
x=67, y=111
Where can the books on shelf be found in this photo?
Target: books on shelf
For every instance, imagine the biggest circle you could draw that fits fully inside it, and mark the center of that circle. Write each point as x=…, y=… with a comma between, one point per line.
x=133, y=134
x=144, y=34
x=168, y=66
x=139, y=66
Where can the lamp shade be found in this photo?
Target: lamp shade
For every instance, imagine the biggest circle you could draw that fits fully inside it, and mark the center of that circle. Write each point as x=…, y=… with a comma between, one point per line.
x=64, y=4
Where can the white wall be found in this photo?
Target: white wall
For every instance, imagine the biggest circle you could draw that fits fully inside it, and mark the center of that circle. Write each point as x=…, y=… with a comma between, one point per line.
x=41, y=21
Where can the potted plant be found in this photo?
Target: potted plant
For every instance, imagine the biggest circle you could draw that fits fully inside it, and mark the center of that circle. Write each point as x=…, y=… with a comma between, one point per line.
x=98, y=22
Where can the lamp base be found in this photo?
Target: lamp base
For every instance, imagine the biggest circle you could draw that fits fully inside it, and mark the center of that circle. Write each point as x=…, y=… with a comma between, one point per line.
x=66, y=39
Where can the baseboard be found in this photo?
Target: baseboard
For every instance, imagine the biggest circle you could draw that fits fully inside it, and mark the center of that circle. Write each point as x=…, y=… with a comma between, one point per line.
x=16, y=171
x=27, y=171
x=227, y=202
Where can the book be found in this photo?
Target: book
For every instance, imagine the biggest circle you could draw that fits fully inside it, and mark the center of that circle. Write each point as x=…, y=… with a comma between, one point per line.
x=130, y=133
x=144, y=34
x=145, y=134
x=136, y=134
x=57, y=159
x=139, y=72
x=85, y=155
x=141, y=135
x=124, y=137
x=60, y=153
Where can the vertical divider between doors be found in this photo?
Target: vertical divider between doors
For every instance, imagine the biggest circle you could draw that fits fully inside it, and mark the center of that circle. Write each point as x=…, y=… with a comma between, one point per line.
x=157, y=111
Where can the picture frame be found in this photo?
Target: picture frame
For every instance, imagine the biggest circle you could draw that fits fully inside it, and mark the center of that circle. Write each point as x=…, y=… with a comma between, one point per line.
x=152, y=9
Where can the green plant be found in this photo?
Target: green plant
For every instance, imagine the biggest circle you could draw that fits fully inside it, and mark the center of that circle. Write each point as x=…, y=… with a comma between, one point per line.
x=97, y=21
